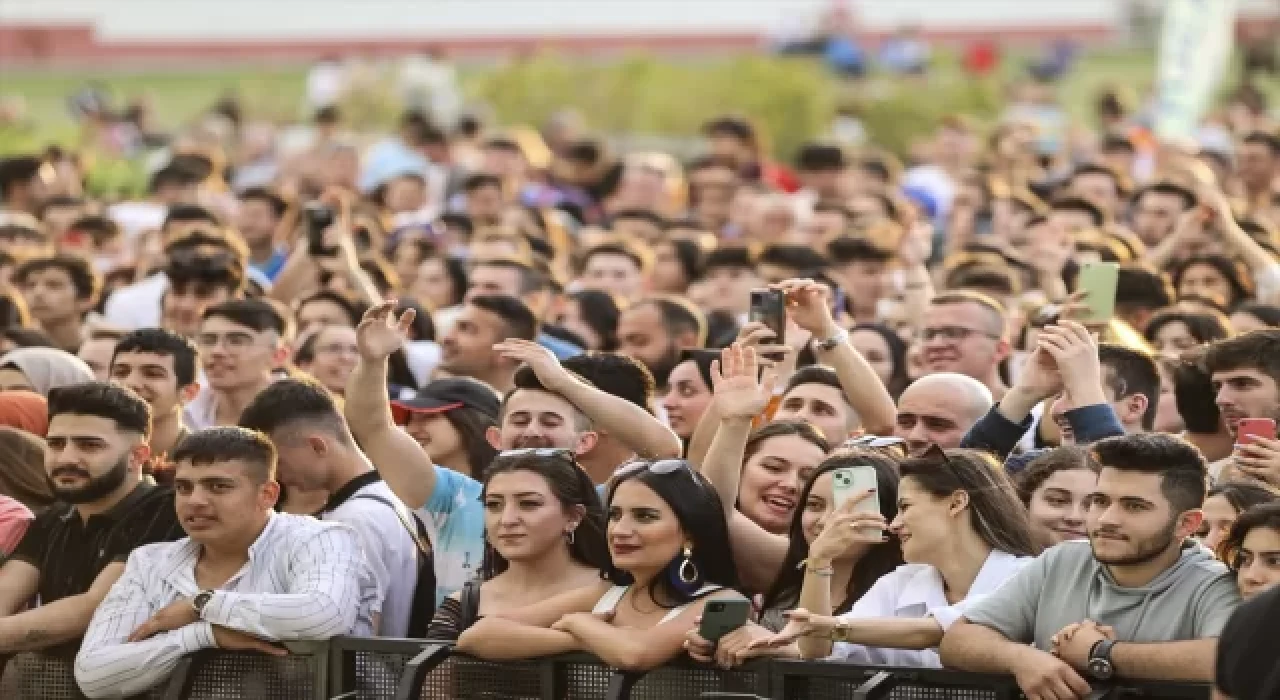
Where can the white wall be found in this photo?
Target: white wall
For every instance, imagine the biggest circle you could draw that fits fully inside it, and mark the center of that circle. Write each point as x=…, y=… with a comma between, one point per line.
x=142, y=20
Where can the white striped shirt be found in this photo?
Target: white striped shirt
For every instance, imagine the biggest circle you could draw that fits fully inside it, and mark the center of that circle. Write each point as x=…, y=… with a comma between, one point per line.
x=305, y=580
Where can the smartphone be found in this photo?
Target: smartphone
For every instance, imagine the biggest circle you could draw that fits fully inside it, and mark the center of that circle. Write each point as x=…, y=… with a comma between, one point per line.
x=720, y=617
x=847, y=481
x=318, y=218
x=1249, y=428
x=769, y=306
x=1098, y=280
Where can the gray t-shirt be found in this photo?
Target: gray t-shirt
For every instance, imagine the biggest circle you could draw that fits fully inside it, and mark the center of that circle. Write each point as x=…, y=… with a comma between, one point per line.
x=1190, y=600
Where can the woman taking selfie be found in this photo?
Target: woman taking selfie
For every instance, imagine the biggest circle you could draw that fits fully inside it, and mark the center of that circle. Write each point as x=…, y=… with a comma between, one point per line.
x=834, y=554
x=1055, y=488
x=544, y=535
x=963, y=533
x=671, y=555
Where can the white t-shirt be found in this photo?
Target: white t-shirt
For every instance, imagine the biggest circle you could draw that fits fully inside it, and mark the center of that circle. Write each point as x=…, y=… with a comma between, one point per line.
x=389, y=550
x=135, y=218
x=916, y=590
x=138, y=305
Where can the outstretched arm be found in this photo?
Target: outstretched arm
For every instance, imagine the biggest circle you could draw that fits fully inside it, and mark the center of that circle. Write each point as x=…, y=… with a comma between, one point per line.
x=399, y=458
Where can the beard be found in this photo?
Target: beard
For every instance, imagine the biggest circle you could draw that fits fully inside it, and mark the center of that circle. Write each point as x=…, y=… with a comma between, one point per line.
x=97, y=486
x=1142, y=551
x=661, y=370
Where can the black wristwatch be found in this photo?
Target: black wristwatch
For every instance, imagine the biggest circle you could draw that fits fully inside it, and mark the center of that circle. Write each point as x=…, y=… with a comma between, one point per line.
x=199, y=602
x=1100, y=666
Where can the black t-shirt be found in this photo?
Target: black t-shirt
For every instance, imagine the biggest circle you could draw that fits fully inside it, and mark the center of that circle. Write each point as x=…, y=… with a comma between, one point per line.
x=1248, y=656
x=70, y=552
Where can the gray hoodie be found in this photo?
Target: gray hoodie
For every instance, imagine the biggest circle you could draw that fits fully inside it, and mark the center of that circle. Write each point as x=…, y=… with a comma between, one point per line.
x=1190, y=600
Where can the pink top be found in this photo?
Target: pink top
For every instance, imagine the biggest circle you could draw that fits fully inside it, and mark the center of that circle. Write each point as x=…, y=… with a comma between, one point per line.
x=14, y=519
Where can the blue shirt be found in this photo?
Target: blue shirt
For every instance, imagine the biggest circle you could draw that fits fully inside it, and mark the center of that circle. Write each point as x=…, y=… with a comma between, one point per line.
x=562, y=349
x=273, y=265
x=455, y=515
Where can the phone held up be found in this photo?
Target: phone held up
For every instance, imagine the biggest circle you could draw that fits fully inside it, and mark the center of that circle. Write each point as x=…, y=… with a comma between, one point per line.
x=769, y=306
x=1249, y=428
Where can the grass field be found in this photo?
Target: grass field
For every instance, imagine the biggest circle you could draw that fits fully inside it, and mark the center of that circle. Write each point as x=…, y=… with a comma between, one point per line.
x=637, y=94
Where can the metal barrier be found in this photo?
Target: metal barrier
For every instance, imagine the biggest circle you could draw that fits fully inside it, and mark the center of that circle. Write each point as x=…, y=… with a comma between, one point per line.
x=349, y=668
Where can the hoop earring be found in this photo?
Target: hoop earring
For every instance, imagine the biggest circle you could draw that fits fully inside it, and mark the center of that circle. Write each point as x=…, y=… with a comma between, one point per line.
x=568, y=537
x=688, y=578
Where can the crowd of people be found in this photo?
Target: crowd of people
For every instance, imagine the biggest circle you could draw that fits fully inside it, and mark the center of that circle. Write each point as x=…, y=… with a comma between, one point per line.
x=511, y=390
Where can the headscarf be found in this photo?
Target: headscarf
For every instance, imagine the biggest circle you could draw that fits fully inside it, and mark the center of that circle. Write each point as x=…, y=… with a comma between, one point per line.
x=48, y=368
x=26, y=411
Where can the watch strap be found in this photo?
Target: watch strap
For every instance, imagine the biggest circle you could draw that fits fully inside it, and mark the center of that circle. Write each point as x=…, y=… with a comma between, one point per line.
x=830, y=343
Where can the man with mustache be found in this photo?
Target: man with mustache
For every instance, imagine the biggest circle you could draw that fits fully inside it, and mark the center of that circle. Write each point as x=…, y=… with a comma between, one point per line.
x=75, y=550
x=1139, y=600
x=1246, y=372
x=657, y=330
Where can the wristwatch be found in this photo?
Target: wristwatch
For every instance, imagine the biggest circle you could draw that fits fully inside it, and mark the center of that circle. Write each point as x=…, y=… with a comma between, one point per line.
x=831, y=343
x=840, y=633
x=1100, y=660
x=199, y=602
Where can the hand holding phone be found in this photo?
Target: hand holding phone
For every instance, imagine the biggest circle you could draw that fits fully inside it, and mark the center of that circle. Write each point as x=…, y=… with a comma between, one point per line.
x=847, y=481
x=1249, y=428
x=720, y=617
x=769, y=306
x=1098, y=281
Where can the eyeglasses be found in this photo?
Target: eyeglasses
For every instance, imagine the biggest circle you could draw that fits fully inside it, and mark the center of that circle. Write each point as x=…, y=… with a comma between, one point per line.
x=235, y=340
x=661, y=466
x=873, y=441
x=953, y=333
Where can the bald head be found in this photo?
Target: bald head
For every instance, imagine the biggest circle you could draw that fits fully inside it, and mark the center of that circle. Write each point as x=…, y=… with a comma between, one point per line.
x=939, y=409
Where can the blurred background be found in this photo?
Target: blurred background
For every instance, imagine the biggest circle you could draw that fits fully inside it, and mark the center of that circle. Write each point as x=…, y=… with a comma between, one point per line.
x=114, y=80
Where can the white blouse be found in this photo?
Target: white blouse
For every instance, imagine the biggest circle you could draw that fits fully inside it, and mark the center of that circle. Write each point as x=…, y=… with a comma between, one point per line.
x=916, y=590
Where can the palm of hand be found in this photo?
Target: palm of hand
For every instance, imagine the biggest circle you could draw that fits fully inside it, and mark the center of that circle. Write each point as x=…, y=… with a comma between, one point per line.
x=740, y=396
x=379, y=340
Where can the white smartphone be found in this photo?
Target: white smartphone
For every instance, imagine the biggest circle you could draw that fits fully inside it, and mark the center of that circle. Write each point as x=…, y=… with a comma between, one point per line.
x=848, y=481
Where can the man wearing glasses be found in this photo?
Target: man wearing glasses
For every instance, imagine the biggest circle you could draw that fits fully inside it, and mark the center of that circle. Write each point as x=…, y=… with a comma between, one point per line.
x=241, y=342
x=964, y=332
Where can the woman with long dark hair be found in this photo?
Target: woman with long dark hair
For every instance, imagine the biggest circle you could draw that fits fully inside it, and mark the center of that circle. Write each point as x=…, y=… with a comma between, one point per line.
x=544, y=535
x=963, y=533
x=670, y=555
x=833, y=555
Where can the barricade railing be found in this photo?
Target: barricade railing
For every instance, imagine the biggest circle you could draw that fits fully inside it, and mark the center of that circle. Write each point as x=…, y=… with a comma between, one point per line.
x=350, y=668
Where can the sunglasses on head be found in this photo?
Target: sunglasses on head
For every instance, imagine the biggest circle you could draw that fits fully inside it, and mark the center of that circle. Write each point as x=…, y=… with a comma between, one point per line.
x=873, y=441
x=547, y=452
x=661, y=466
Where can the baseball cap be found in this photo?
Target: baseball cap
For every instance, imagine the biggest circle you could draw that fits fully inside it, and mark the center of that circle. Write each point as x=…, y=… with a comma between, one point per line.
x=444, y=395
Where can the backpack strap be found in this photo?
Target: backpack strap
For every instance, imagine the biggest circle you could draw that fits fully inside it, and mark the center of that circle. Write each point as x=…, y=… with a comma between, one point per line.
x=418, y=534
x=469, y=598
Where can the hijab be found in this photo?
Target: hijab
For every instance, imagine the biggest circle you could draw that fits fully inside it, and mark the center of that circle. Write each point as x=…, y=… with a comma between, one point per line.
x=48, y=368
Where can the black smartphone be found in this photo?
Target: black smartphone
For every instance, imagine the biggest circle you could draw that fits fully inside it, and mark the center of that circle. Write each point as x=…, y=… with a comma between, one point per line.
x=318, y=219
x=769, y=306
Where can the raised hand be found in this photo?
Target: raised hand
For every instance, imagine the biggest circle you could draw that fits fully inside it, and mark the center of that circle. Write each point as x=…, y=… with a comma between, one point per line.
x=738, y=393
x=809, y=305
x=542, y=361
x=381, y=333
x=1075, y=353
